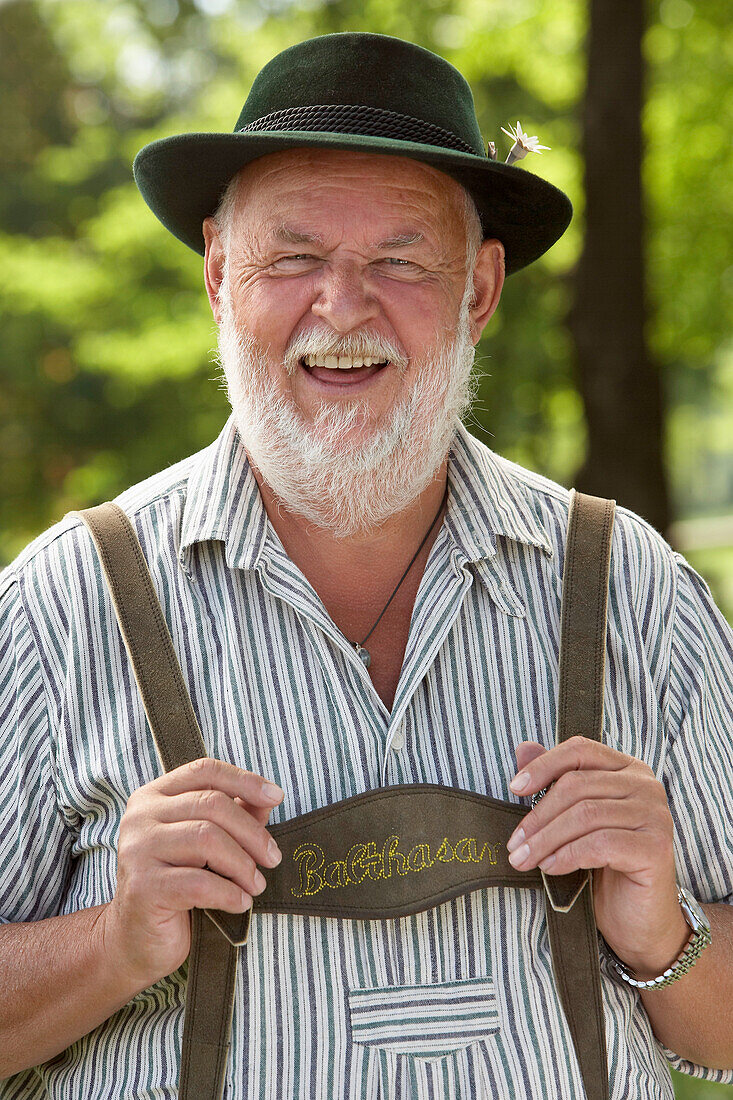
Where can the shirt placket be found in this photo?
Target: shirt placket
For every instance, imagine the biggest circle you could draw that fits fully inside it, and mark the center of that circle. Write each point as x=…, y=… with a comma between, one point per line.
x=439, y=601
x=282, y=580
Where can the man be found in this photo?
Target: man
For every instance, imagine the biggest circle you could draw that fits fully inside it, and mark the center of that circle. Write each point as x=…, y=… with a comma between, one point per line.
x=359, y=594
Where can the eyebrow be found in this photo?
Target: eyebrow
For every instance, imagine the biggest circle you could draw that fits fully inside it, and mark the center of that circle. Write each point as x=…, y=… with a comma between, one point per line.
x=401, y=239
x=294, y=236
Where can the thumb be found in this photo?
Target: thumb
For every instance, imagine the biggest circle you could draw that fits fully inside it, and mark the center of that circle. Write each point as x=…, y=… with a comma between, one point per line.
x=526, y=751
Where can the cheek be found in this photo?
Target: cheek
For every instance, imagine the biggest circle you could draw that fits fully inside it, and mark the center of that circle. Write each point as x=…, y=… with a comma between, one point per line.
x=272, y=308
x=420, y=317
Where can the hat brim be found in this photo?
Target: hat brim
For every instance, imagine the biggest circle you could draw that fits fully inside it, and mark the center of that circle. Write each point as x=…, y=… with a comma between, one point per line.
x=182, y=179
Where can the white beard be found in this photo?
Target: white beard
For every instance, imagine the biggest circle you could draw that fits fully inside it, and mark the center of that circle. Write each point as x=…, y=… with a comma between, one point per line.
x=346, y=486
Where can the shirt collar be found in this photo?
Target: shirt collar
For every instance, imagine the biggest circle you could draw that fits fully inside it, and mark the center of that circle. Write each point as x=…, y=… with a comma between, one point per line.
x=223, y=502
x=488, y=499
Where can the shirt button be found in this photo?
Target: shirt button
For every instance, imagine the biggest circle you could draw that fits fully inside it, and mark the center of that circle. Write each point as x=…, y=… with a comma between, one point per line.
x=398, y=741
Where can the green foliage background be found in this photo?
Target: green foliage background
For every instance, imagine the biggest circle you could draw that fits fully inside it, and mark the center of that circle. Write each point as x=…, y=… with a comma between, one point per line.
x=107, y=368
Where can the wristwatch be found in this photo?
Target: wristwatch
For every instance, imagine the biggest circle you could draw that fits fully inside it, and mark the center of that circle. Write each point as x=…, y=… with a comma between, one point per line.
x=698, y=941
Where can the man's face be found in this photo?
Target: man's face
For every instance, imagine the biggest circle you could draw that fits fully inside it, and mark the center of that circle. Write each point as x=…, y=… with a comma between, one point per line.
x=336, y=257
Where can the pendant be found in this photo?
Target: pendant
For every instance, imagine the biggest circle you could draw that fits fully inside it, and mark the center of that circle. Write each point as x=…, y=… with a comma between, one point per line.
x=364, y=654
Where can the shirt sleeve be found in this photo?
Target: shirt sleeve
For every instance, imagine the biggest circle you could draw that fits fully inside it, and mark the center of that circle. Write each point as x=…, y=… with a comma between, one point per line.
x=698, y=773
x=35, y=844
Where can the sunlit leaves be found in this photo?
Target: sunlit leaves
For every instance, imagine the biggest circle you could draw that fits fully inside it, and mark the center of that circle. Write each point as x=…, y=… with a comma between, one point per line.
x=107, y=333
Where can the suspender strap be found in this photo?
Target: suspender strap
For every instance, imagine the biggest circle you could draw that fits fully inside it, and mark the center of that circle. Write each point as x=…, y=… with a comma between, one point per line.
x=212, y=960
x=570, y=916
x=212, y=974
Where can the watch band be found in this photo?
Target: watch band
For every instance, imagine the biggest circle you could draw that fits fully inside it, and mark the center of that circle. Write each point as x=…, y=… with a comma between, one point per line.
x=698, y=941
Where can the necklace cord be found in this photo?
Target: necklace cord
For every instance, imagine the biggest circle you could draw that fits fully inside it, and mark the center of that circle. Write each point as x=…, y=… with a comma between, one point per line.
x=409, y=567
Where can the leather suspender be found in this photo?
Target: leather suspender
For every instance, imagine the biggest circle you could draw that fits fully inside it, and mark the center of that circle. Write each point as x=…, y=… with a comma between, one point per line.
x=215, y=934
x=570, y=917
x=213, y=956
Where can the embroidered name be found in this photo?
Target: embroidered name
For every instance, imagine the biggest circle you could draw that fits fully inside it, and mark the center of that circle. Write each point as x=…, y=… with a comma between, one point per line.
x=367, y=861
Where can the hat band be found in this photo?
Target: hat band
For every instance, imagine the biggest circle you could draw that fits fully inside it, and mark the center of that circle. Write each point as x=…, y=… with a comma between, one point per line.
x=351, y=118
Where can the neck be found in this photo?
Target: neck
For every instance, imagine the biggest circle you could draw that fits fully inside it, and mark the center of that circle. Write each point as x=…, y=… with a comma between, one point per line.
x=363, y=568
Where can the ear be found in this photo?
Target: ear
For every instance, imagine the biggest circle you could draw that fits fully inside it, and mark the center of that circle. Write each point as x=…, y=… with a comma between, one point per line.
x=488, y=280
x=213, y=265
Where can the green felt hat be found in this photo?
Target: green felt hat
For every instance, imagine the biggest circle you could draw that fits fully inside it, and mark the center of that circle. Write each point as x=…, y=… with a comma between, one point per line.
x=365, y=92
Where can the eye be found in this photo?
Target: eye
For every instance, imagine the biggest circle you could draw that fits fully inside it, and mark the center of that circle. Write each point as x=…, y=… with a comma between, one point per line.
x=296, y=263
x=296, y=258
x=397, y=261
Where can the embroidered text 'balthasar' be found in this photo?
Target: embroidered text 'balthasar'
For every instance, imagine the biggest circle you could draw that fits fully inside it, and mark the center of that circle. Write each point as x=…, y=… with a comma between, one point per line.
x=368, y=861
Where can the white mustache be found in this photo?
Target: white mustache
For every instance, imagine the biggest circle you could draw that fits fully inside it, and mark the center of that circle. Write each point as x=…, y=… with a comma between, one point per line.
x=323, y=341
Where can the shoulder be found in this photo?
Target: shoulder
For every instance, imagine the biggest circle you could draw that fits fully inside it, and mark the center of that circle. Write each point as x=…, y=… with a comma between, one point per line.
x=532, y=512
x=535, y=499
x=60, y=561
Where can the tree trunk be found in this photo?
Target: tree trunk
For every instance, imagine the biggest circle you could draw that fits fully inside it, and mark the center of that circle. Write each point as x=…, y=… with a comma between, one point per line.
x=618, y=380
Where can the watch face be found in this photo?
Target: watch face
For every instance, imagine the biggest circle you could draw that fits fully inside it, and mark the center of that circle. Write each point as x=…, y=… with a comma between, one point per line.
x=694, y=913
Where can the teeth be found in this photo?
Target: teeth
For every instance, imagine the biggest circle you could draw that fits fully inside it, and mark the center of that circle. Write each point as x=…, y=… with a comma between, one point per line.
x=341, y=362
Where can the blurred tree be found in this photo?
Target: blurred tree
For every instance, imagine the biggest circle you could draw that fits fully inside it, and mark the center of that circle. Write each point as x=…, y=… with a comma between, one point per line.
x=618, y=380
x=34, y=79
x=107, y=337
x=96, y=324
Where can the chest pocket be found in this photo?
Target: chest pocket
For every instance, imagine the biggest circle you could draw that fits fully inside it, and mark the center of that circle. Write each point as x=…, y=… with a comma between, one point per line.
x=425, y=1040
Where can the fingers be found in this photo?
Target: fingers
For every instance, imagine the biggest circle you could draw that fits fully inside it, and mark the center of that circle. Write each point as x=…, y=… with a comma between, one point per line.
x=623, y=850
x=261, y=814
x=229, y=815
x=202, y=844
x=526, y=751
x=583, y=820
x=575, y=754
x=207, y=817
x=188, y=888
x=585, y=786
x=615, y=817
x=209, y=773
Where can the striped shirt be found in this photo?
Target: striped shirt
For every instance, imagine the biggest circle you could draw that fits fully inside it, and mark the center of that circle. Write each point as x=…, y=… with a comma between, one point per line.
x=458, y=1002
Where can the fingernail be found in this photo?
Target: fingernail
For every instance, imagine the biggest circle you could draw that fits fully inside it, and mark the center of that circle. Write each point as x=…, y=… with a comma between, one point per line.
x=259, y=881
x=515, y=839
x=520, y=782
x=519, y=857
x=547, y=863
x=272, y=792
x=273, y=853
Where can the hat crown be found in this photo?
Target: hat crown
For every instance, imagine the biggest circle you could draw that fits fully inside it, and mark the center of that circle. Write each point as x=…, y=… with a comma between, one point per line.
x=358, y=92
x=366, y=70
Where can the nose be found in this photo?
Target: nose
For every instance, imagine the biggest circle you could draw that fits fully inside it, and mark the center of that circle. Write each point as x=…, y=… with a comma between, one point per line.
x=343, y=300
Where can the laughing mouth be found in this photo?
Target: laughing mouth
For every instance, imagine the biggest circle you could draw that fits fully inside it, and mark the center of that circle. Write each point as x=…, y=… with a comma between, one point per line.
x=342, y=362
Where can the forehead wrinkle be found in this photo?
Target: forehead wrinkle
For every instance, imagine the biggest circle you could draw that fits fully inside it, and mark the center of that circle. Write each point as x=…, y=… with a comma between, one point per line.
x=301, y=169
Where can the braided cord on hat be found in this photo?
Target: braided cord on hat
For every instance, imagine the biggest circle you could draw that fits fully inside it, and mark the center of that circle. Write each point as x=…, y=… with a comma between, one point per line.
x=351, y=118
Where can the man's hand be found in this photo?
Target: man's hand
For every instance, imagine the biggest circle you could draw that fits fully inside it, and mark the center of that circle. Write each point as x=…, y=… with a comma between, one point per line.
x=191, y=838
x=605, y=810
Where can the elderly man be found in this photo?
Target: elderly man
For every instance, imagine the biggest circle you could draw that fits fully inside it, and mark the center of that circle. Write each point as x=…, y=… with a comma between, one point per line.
x=359, y=594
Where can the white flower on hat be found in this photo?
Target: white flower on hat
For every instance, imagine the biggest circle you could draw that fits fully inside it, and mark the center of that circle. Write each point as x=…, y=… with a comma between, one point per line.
x=523, y=144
